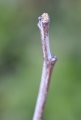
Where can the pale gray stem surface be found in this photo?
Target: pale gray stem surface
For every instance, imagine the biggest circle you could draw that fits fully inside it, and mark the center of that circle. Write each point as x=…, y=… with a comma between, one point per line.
x=48, y=64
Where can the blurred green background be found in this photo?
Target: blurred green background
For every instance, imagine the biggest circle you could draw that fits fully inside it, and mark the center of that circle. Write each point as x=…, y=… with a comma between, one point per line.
x=21, y=59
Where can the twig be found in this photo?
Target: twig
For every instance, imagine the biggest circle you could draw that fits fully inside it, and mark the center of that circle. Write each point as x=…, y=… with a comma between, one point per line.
x=48, y=65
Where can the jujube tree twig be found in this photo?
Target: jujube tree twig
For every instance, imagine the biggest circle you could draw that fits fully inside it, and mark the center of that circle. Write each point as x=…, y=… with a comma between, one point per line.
x=48, y=64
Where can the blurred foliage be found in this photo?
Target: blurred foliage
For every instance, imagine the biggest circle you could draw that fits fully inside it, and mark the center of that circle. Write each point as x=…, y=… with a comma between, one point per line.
x=21, y=59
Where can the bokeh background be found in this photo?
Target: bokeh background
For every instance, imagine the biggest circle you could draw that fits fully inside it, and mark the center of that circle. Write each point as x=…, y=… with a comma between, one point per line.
x=21, y=59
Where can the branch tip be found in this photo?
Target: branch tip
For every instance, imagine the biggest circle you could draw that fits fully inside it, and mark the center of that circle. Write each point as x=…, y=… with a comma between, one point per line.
x=45, y=17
